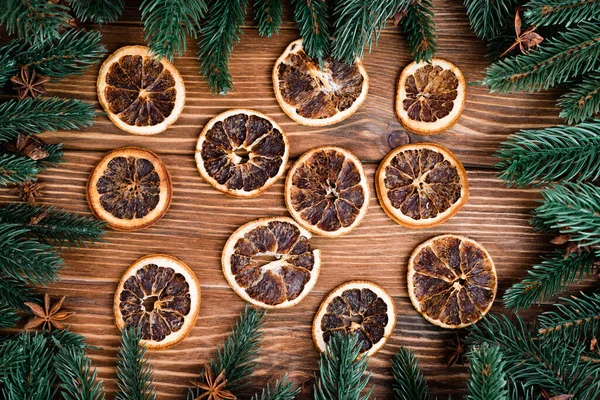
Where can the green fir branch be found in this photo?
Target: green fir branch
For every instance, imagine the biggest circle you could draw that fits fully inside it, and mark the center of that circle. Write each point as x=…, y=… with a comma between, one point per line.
x=31, y=116
x=14, y=293
x=134, y=374
x=282, y=390
x=221, y=31
x=488, y=380
x=549, y=154
x=78, y=380
x=8, y=317
x=575, y=321
x=561, y=12
x=11, y=356
x=342, y=370
x=34, y=21
x=409, y=382
x=548, y=279
x=555, y=61
x=488, y=18
x=571, y=208
x=358, y=23
x=312, y=19
x=267, y=14
x=97, y=11
x=166, y=24
x=8, y=65
x=419, y=27
x=16, y=169
x=582, y=100
x=52, y=226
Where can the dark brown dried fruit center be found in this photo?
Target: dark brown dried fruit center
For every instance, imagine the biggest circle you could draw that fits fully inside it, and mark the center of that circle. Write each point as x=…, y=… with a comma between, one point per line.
x=454, y=281
x=422, y=183
x=358, y=311
x=155, y=299
x=327, y=190
x=273, y=262
x=140, y=91
x=243, y=152
x=430, y=93
x=317, y=93
x=129, y=187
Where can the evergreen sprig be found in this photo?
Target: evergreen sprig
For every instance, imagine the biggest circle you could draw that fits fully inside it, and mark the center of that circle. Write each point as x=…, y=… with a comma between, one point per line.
x=548, y=279
x=97, y=11
x=419, y=27
x=14, y=293
x=78, y=380
x=582, y=100
x=8, y=317
x=575, y=321
x=15, y=169
x=134, y=374
x=561, y=12
x=409, y=382
x=222, y=29
x=488, y=18
x=342, y=371
x=312, y=18
x=282, y=390
x=167, y=24
x=34, y=21
x=487, y=377
x=267, y=14
x=556, y=60
x=11, y=355
x=548, y=154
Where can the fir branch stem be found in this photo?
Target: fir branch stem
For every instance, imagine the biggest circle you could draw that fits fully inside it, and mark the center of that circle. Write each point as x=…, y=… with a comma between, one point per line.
x=558, y=12
x=577, y=320
x=583, y=99
x=15, y=169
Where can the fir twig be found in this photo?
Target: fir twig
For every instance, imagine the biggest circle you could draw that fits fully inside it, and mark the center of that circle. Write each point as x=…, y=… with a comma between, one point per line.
x=577, y=320
x=15, y=169
x=583, y=99
x=549, y=154
x=134, y=375
x=55, y=227
x=8, y=65
x=78, y=380
x=8, y=318
x=222, y=30
x=488, y=17
x=341, y=370
x=97, y=11
x=561, y=12
x=548, y=279
x=267, y=14
x=167, y=22
x=409, y=382
x=34, y=21
x=312, y=18
x=282, y=390
x=11, y=356
x=557, y=60
x=488, y=380
x=14, y=293
x=419, y=27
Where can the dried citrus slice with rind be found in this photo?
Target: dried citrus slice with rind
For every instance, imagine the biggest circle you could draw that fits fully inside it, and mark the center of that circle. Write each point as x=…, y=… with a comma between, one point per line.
x=270, y=262
x=140, y=94
x=242, y=152
x=130, y=188
x=326, y=191
x=421, y=185
x=360, y=307
x=430, y=96
x=452, y=281
x=160, y=295
x=315, y=96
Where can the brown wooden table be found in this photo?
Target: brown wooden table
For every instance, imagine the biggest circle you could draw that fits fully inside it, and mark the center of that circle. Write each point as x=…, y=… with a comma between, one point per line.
x=201, y=219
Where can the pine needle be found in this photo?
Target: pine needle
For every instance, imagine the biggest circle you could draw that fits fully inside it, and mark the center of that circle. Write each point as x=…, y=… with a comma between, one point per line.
x=15, y=169
x=312, y=18
x=267, y=14
x=97, y=11
x=419, y=27
x=34, y=21
x=488, y=18
x=134, y=374
x=409, y=382
x=583, y=99
x=78, y=380
x=561, y=12
x=8, y=318
x=488, y=379
x=578, y=320
x=282, y=390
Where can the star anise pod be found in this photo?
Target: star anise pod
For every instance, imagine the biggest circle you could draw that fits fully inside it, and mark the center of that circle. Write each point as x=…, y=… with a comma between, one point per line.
x=30, y=146
x=28, y=83
x=456, y=348
x=214, y=389
x=27, y=191
x=49, y=316
x=525, y=40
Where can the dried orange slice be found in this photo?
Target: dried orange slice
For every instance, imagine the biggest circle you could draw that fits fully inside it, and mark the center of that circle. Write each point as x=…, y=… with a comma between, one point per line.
x=270, y=262
x=140, y=94
x=160, y=295
x=430, y=96
x=326, y=191
x=241, y=152
x=359, y=307
x=421, y=185
x=315, y=96
x=130, y=188
x=451, y=281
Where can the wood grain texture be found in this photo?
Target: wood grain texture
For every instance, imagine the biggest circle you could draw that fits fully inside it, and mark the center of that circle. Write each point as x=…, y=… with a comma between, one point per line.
x=201, y=219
